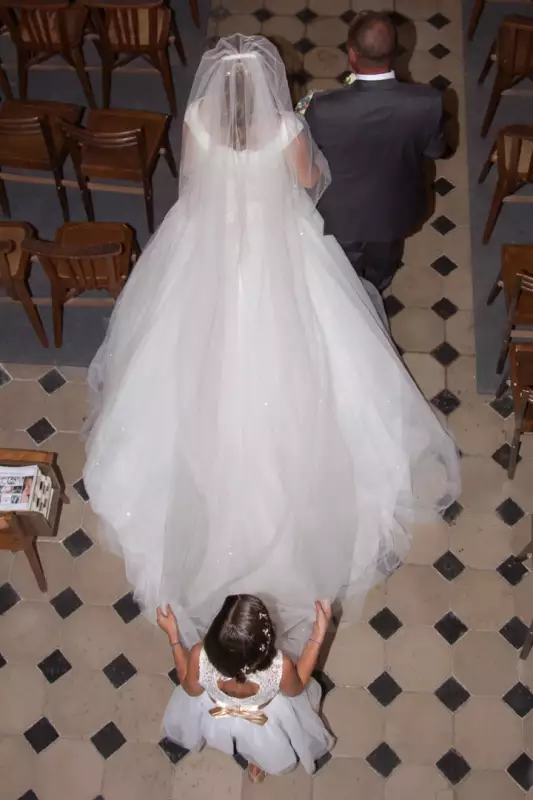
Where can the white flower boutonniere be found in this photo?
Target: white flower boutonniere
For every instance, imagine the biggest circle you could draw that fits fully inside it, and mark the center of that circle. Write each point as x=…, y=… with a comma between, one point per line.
x=303, y=104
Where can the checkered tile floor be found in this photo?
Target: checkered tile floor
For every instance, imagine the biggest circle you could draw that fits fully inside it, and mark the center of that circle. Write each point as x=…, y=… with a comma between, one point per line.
x=426, y=694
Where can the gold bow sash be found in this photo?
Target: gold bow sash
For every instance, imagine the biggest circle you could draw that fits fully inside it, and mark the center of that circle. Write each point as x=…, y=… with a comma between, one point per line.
x=257, y=717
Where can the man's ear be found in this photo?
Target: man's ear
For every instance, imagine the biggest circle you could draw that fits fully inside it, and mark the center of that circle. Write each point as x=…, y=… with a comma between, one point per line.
x=352, y=58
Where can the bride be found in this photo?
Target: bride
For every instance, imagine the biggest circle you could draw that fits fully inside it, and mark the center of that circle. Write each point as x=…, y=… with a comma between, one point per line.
x=254, y=429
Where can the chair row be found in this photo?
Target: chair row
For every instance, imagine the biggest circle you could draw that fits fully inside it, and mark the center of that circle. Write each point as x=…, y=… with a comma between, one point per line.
x=113, y=144
x=512, y=53
x=477, y=10
x=121, y=32
x=84, y=256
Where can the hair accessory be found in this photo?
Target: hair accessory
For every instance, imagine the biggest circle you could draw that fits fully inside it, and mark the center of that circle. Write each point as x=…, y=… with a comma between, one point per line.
x=262, y=615
x=238, y=56
x=262, y=648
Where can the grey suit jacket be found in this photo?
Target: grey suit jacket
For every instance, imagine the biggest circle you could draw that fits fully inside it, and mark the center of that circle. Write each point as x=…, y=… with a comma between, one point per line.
x=375, y=136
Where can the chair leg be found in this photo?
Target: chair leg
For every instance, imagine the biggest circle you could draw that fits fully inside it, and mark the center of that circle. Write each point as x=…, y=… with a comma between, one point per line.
x=149, y=203
x=86, y=197
x=79, y=65
x=518, y=431
x=22, y=70
x=177, y=41
x=496, y=289
x=502, y=387
x=504, y=348
x=4, y=201
x=487, y=65
x=501, y=83
x=487, y=166
x=474, y=19
x=58, y=303
x=528, y=644
x=24, y=297
x=62, y=194
x=495, y=208
x=163, y=64
x=169, y=158
x=107, y=69
x=32, y=554
x=5, y=85
x=195, y=11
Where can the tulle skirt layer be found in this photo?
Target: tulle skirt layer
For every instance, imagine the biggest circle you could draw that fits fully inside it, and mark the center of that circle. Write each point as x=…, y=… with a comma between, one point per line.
x=294, y=731
x=254, y=428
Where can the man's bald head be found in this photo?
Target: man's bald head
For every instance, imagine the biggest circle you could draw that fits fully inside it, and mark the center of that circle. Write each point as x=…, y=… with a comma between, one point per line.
x=372, y=42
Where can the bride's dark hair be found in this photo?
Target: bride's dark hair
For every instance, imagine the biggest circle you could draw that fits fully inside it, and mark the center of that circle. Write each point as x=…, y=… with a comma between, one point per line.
x=241, y=639
x=238, y=107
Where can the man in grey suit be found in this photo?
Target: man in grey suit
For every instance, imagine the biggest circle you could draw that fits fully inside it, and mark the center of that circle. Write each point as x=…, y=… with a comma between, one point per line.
x=376, y=135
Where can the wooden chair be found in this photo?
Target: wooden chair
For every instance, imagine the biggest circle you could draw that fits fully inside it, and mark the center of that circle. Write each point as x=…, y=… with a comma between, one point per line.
x=513, y=54
x=518, y=289
x=41, y=31
x=31, y=139
x=477, y=11
x=513, y=154
x=521, y=367
x=19, y=530
x=128, y=31
x=122, y=146
x=15, y=269
x=85, y=256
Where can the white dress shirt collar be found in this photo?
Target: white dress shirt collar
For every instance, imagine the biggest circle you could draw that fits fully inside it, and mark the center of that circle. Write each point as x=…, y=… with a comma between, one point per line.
x=380, y=76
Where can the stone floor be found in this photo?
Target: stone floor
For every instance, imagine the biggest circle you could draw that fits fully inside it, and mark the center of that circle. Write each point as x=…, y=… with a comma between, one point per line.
x=426, y=694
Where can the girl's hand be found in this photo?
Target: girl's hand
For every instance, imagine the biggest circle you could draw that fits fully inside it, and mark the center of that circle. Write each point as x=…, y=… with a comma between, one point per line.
x=167, y=621
x=323, y=616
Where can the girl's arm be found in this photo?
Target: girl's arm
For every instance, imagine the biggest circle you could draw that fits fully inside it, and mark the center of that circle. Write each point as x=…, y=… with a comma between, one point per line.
x=187, y=664
x=295, y=677
x=306, y=170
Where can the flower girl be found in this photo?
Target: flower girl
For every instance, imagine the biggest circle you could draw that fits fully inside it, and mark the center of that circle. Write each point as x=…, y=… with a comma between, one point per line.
x=238, y=692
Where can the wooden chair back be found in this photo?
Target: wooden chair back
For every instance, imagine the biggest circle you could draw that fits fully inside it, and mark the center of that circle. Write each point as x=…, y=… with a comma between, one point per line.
x=76, y=269
x=81, y=140
x=514, y=154
x=517, y=280
x=38, y=28
x=25, y=127
x=514, y=47
x=521, y=370
x=133, y=28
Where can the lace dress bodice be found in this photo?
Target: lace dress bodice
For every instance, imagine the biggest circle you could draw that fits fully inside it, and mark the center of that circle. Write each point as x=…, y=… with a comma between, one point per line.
x=268, y=681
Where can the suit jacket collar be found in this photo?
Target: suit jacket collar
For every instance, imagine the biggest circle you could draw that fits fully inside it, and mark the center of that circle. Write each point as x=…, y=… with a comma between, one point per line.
x=374, y=86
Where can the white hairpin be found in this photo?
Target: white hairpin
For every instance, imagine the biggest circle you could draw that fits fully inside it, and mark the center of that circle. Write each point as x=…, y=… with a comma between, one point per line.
x=238, y=56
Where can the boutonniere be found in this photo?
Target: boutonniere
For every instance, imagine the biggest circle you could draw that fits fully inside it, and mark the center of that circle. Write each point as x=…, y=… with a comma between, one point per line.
x=303, y=104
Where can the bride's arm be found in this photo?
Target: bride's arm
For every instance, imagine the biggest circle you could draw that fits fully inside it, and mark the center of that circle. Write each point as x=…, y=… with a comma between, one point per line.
x=300, y=155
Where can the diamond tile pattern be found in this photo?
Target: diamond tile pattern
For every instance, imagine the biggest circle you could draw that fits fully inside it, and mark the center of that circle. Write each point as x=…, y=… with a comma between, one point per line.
x=128, y=651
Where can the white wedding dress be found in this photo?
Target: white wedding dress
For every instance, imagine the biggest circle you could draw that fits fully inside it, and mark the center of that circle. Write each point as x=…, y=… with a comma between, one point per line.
x=255, y=429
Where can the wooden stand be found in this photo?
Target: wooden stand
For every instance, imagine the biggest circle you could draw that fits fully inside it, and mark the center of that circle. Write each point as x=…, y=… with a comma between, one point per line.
x=19, y=530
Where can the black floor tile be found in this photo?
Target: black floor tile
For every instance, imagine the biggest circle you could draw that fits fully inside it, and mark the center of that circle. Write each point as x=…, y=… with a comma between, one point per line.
x=439, y=51
x=306, y=16
x=521, y=771
x=451, y=628
x=453, y=766
x=78, y=543
x=66, y=602
x=173, y=675
x=8, y=597
x=393, y=306
x=3, y=662
x=41, y=735
x=29, y=795
x=324, y=681
x=263, y=14
x=510, y=512
x=445, y=354
x=444, y=308
x=438, y=21
x=127, y=608
x=41, y=430
x=79, y=487
x=54, y=666
x=452, y=694
x=452, y=513
x=108, y=740
x=449, y=566
x=442, y=224
x=514, y=632
x=304, y=46
x=446, y=401
x=520, y=699
x=502, y=456
x=5, y=378
x=119, y=671
x=512, y=570
x=173, y=751
x=443, y=265
x=322, y=761
x=386, y=623
x=385, y=689
x=384, y=760
x=52, y=381
x=503, y=406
